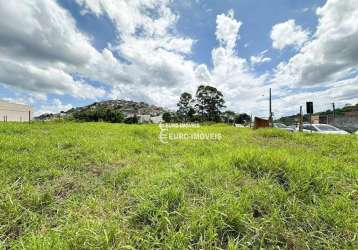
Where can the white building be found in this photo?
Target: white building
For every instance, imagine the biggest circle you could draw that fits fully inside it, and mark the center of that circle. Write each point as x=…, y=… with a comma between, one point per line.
x=13, y=112
x=143, y=118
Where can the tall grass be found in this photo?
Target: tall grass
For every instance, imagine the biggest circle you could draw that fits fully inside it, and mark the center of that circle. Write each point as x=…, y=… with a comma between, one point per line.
x=108, y=186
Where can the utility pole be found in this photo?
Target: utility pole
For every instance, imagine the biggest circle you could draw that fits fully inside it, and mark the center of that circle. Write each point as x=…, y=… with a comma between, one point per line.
x=270, y=118
x=251, y=120
x=301, y=120
x=334, y=111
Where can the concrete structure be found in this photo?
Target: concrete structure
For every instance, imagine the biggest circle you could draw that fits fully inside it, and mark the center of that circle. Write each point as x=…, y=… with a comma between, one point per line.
x=347, y=121
x=12, y=112
x=351, y=114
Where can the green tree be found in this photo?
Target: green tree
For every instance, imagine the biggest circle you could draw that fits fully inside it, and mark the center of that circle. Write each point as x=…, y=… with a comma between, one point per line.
x=131, y=120
x=167, y=117
x=185, y=107
x=209, y=102
x=99, y=114
x=114, y=116
x=229, y=116
x=242, y=118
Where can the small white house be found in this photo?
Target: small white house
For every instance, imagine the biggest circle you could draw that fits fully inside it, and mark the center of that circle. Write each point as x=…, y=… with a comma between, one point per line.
x=143, y=118
x=13, y=112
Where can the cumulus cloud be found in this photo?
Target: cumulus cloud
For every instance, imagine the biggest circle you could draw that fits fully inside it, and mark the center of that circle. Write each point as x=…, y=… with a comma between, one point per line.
x=158, y=69
x=44, y=38
x=54, y=107
x=41, y=31
x=154, y=53
x=44, y=80
x=288, y=34
x=227, y=30
x=341, y=92
x=332, y=54
x=42, y=51
x=129, y=16
x=231, y=73
x=41, y=48
x=260, y=58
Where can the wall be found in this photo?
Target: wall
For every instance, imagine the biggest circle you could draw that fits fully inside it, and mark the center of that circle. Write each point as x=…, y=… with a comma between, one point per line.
x=12, y=112
x=348, y=123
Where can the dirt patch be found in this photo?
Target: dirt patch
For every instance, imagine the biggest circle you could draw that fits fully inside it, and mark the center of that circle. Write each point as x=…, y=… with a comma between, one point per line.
x=100, y=170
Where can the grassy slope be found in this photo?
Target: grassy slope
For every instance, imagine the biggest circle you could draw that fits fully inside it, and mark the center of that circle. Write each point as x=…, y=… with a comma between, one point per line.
x=84, y=186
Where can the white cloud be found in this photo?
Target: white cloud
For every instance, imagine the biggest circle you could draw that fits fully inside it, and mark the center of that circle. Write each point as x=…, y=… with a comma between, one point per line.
x=41, y=48
x=41, y=31
x=155, y=54
x=328, y=61
x=202, y=74
x=260, y=58
x=130, y=16
x=54, y=107
x=332, y=54
x=44, y=80
x=159, y=71
x=288, y=34
x=227, y=30
x=341, y=92
x=232, y=74
x=156, y=68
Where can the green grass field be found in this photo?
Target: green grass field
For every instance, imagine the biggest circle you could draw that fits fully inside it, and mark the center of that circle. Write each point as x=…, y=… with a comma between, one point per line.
x=109, y=186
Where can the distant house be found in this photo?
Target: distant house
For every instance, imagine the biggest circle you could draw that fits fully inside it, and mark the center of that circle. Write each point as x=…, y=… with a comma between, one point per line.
x=143, y=118
x=13, y=112
x=149, y=119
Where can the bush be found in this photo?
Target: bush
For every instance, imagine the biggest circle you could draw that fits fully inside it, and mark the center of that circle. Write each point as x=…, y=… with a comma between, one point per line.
x=131, y=120
x=114, y=116
x=100, y=114
x=167, y=117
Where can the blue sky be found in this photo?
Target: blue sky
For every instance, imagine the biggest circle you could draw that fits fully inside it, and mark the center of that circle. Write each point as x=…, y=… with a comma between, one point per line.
x=75, y=52
x=198, y=21
x=257, y=17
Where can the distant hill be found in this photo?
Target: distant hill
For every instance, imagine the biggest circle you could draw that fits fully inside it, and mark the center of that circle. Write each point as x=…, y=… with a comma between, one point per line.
x=127, y=108
x=340, y=111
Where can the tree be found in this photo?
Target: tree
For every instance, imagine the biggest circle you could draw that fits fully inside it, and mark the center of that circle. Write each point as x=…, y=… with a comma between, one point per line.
x=167, y=117
x=114, y=116
x=242, y=118
x=185, y=109
x=99, y=114
x=131, y=120
x=209, y=102
x=229, y=116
